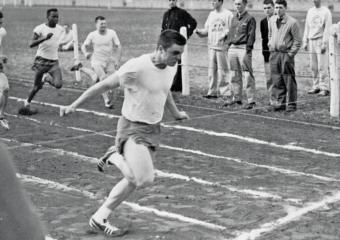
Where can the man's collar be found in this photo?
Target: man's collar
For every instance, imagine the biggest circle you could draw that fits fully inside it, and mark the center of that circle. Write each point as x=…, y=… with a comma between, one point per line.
x=241, y=15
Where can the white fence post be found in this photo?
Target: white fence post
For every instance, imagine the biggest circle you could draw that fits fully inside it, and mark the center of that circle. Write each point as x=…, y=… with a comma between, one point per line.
x=109, y=4
x=76, y=50
x=333, y=65
x=185, y=68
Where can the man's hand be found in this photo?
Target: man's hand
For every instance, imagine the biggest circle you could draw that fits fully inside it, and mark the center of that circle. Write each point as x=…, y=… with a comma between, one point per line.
x=181, y=116
x=305, y=46
x=323, y=48
x=49, y=36
x=4, y=59
x=88, y=55
x=65, y=110
x=117, y=64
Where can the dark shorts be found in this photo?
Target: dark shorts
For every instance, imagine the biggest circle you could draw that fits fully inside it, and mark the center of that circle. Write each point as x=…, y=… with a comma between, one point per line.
x=43, y=65
x=142, y=133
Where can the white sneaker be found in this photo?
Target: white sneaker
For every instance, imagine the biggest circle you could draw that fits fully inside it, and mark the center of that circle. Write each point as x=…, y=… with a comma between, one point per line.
x=4, y=123
x=107, y=228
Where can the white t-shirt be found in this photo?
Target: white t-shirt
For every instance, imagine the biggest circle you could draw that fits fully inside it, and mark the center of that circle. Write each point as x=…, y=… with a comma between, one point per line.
x=102, y=44
x=49, y=48
x=318, y=22
x=217, y=23
x=2, y=34
x=146, y=89
x=66, y=37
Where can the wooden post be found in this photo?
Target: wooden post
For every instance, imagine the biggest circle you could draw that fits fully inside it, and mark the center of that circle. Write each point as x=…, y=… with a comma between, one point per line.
x=334, y=78
x=76, y=50
x=185, y=68
x=109, y=4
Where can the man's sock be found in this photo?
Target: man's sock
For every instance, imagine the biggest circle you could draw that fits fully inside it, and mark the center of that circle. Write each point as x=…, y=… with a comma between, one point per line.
x=102, y=213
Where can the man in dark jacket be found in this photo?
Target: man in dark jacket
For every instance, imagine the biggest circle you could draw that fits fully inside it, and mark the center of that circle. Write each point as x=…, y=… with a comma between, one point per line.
x=174, y=19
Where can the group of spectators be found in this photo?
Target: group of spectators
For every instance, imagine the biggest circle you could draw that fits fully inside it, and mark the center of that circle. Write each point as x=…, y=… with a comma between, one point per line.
x=231, y=41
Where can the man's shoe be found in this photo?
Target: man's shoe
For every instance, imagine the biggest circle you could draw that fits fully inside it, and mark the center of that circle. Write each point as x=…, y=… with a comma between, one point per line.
x=26, y=110
x=109, y=105
x=313, y=91
x=230, y=103
x=4, y=123
x=209, y=96
x=103, y=160
x=323, y=93
x=289, y=110
x=107, y=228
x=76, y=67
x=249, y=105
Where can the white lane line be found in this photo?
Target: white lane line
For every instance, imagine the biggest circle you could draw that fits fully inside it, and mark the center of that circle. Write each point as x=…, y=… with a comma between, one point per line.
x=274, y=169
x=212, y=133
x=159, y=173
x=134, y=206
x=78, y=109
x=252, y=140
x=293, y=215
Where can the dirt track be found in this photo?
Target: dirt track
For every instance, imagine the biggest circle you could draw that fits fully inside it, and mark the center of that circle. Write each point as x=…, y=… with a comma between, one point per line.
x=228, y=162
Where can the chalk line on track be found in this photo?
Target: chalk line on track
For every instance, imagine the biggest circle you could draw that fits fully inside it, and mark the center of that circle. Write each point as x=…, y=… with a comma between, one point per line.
x=134, y=206
x=159, y=173
x=275, y=169
x=248, y=139
x=252, y=140
x=293, y=215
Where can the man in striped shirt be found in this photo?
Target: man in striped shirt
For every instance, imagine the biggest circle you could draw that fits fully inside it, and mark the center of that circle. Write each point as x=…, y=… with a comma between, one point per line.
x=284, y=42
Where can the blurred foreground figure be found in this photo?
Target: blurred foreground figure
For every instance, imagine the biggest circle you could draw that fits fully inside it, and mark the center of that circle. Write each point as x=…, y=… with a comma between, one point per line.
x=17, y=220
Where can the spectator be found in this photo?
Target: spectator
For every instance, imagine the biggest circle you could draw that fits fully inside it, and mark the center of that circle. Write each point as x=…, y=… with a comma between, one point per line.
x=66, y=39
x=241, y=43
x=216, y=28
x=174, y=19
x=284, y=42
x=315, y=40
x=268, y=7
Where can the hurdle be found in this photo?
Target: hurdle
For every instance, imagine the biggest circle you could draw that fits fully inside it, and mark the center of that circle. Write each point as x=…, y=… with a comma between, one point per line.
x=76, y=50
x=185, y=70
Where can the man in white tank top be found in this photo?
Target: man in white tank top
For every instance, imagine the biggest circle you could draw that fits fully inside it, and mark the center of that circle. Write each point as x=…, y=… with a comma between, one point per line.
x=103, y=41
x=146, y=81
x=46, y=36
x=4, y=86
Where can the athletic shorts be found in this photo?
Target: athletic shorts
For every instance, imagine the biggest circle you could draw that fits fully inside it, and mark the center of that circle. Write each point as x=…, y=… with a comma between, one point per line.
x=43, y=65
x=104, y=64
x=142, y=133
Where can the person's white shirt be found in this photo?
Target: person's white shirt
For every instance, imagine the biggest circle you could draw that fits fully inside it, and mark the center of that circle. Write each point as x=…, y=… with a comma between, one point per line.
x=102, y=44
x=66, y=37
x=49, y=48
x=146, y=89
x=216, y=24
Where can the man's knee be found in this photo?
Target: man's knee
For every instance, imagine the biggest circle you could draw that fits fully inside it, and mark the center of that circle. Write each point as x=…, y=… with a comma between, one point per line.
x=146, y=181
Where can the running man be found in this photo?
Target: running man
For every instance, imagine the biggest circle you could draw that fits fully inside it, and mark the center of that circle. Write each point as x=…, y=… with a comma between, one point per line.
x=4, y=86
x=102, y=40
x=147, y=81
x=66, y=39
x=46, y=36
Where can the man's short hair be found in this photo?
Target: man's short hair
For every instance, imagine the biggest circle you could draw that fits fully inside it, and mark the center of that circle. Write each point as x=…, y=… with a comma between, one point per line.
x=1, y=15
x=170, y=37
x=51, y=10
x=266, y=2
x=282, y=2
x=99, y=18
